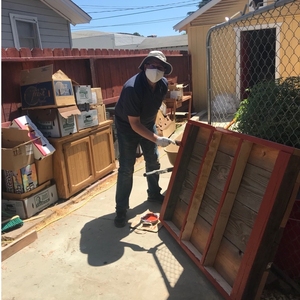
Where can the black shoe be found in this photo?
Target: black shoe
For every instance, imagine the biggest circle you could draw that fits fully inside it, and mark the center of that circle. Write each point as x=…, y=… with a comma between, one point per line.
x=120, y=219
x=156, y=198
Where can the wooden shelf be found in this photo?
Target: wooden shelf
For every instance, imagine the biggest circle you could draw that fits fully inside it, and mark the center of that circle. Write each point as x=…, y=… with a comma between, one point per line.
x=173, y=104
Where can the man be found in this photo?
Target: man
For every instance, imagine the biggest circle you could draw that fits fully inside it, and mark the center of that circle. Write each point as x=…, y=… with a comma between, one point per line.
x=135, y=115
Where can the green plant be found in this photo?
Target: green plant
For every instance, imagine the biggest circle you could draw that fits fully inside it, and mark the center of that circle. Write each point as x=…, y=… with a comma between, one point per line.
x=272, y=111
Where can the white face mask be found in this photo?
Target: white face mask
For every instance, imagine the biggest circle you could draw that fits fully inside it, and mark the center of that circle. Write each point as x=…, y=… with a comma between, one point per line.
x=154, y=75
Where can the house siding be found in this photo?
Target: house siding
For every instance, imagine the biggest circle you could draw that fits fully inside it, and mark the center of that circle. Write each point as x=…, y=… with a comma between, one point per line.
x=197, y=49
x=224, y=48
x=54, y=29
x=198, y=28
x=197, y=34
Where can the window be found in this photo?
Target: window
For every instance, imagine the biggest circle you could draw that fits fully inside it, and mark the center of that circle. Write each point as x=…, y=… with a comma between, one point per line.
x=25, y=31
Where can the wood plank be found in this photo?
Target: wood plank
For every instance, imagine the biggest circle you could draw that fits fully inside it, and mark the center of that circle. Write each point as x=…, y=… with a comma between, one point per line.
x=261, y=242
x=263, y=157
x=190, y=247
x=18, y=245
x=210, y=202
x=200, y=234
x=201, y=185
x=179, y=172
x=253, y=186
x=240, y=225
x=270, y=240
x=263, y=282
x=196, y=158
x=187, y=186
x=229, y=144
x=224, y=212
x=220, y=170
x=228, y=261
x=179, y=213
x=93, y=72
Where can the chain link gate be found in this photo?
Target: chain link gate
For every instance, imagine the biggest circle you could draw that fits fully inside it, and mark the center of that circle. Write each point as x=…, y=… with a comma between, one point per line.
x=253, y=71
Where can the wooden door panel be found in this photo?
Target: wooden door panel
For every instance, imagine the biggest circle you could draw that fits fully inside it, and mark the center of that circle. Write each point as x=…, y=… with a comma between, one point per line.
x=79, y=165
x=102, y=151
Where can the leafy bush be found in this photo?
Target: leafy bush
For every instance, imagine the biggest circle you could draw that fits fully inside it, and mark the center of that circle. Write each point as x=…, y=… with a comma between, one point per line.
x=272, y=111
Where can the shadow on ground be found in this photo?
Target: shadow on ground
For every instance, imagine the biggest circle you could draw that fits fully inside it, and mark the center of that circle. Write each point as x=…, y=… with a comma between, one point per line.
x=102, y=242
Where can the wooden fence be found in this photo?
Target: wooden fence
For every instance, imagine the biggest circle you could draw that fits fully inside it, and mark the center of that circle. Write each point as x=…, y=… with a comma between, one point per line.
x=108, y=69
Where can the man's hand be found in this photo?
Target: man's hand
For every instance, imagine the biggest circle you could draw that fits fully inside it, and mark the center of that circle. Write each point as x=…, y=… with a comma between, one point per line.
x=164, y=142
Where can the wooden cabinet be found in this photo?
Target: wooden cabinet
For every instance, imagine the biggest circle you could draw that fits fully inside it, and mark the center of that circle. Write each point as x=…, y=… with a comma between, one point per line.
x=82, y=158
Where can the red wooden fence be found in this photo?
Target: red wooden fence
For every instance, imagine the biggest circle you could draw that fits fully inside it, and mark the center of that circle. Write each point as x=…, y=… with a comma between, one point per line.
x=108, y=69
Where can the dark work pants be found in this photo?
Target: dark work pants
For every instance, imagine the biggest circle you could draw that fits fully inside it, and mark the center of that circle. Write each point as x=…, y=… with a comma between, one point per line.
x=128, y=144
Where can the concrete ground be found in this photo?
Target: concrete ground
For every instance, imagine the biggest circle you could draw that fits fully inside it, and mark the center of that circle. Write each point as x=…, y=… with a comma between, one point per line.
x=80, y=254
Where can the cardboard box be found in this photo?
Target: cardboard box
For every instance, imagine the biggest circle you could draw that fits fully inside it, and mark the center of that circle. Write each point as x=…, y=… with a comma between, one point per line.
x=44, y=169
x=55, y=122
x=87, y=119
x=27, y=207
x=84, y=107
x=21, y=181
x=176, y=91
x=164, y=125
x=40, y=87
x=8, y=183
x=15, y=196
x=29, y=178
x=83, y=94
x=101, y=112
x=42, y=147
x=17, y=149
x=17, y=182
x=97, y=96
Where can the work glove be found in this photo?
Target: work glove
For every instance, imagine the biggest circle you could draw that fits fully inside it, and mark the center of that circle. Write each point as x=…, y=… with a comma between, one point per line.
x=164, y=142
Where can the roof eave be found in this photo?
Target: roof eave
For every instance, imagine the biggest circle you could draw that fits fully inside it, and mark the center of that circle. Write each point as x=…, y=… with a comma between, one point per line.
x=185, y=22
x=68, y=10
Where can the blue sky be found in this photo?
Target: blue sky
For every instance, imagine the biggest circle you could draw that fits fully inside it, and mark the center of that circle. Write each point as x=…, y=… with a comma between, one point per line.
x=153, y=17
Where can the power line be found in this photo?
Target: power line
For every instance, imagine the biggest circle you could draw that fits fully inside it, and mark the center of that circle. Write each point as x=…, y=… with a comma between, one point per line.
x=143, y=12
x=130, y=24
x=122, y=8
x=136, y=11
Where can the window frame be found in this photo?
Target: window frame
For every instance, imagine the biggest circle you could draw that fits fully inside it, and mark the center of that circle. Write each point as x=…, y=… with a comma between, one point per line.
x=23, y=18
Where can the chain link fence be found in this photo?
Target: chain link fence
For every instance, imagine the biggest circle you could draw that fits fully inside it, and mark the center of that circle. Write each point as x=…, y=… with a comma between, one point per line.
x=254, y=73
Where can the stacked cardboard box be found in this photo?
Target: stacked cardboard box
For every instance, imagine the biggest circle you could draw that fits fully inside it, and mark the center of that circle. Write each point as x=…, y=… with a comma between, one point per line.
x=49, y=100
x=98, y=104
x=26, y=168
x=30, y=203
x=90, y=103
x=58, y=107
x=88, y=116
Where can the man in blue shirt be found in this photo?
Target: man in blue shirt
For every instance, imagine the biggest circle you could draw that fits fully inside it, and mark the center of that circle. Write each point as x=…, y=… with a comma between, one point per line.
x=135, y=115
